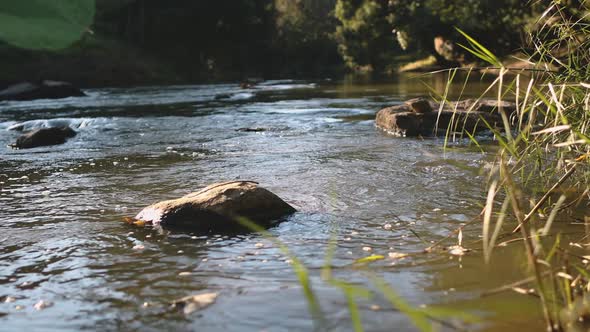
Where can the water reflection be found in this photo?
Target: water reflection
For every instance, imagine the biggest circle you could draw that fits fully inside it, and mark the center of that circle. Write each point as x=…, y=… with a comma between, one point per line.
x=61, y=208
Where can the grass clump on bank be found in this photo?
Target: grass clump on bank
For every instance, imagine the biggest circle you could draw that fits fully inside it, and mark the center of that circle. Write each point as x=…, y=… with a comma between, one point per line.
x=541, y=174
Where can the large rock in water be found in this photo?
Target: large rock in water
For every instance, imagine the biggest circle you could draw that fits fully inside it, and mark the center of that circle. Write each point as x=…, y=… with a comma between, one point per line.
x=44, y=137
x=41, y=90
x=216, y=207
x=415, y=118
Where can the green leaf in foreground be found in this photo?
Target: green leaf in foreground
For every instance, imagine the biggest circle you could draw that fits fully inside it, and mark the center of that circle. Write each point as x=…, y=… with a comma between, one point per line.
x=44, y=24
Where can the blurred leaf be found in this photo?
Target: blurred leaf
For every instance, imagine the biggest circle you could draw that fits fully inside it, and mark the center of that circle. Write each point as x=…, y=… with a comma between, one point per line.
x=44, y=24
x=369, y=259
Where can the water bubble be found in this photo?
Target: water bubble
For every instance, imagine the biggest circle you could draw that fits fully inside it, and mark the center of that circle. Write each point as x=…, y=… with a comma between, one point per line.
x=115, y=163
x=387, y=226
x=45, y=192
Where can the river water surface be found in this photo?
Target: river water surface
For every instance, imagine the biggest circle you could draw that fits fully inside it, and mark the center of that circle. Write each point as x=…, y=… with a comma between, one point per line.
x=62, y=239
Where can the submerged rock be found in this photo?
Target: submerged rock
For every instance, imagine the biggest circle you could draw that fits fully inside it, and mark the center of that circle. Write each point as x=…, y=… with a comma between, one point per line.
x=252, y=130
x=418, y=117
x=192, y=303
x=41, y=90
x=44, y=137
x=217, y=206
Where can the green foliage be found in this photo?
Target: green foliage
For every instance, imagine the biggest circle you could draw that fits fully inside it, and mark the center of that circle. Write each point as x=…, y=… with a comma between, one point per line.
x=364, y=35
x=368, y=29
x=37, y=24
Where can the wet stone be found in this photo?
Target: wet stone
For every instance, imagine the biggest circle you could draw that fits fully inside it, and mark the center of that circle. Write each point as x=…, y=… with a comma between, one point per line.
x=419, y=105
x=218, y=207
x=44, y=137
x=417, y=118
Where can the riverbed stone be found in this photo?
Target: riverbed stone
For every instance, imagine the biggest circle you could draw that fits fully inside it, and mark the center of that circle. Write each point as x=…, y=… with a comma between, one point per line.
x=464, y=116
x=40, y=90
x=217, y=207
x=44, y=137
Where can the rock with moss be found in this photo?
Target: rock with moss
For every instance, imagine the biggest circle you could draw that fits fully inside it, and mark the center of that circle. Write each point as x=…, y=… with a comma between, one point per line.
x=218, y=207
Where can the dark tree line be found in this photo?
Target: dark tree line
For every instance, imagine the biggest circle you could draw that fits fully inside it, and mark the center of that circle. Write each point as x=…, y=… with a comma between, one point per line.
x=205, y=39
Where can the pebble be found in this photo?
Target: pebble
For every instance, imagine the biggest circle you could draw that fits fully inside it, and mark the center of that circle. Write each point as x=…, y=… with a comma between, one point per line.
x=259, y=245
x=180, y=252
x=138, y=247
x=25, y=284
x=42, y=305
x=375, y=307
x=19, y=307
x=367, y=248
x=184, y=274
x=387, y=226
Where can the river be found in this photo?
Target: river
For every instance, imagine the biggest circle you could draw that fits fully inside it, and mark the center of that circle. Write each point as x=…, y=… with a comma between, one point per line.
x=356, y=190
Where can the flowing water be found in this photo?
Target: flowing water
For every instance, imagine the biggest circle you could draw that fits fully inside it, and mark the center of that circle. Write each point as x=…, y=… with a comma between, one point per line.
x=62, y=239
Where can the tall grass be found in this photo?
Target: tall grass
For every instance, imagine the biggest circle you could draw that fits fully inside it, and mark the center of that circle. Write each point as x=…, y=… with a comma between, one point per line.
x=541, y=174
